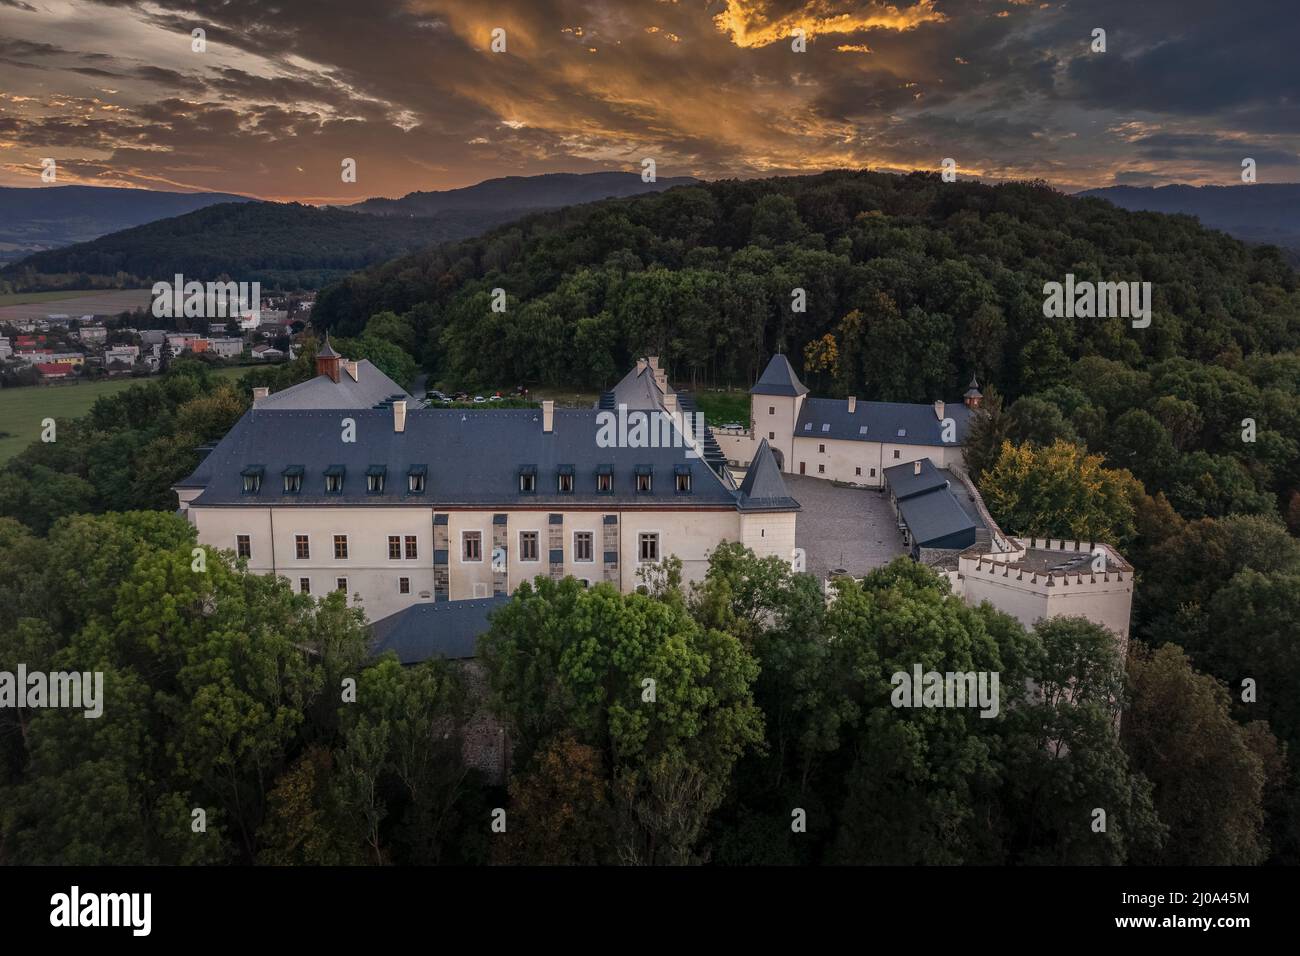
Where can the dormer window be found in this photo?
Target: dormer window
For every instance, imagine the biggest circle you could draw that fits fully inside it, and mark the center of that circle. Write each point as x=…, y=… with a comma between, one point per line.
x=643, y=476
x=682, y=479
x=826, y=427
x=415, y=479
x=292, y=479
x=807, y=426
x=375, y=476
x=334, y=479
x=605, y=479
x=252, y=476
x=564, y=480
x=902, y=433
x=527, y=479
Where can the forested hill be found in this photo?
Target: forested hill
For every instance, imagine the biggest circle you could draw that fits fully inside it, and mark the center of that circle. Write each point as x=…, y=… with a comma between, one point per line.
x=279, y=244
x=911, y=285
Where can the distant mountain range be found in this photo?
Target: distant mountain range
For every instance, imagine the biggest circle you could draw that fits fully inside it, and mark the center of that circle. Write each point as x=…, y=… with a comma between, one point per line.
x=47, y=217
x=1259, y=212
x=532, y=193
x=282, y=245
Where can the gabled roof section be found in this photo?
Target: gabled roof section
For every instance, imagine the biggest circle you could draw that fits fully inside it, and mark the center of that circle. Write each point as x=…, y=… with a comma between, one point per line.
x=763, y=488
x=639, y=390
x=905, y=481
x=446, y=629
x=370, y=388
x=779, y=379
x=897, y=423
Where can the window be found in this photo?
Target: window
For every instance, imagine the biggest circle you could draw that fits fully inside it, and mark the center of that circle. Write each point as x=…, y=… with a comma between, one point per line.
x=341, y=584
x=821, y=469
x=304, y=585
x=584, y=546
x=528, y=479
x=412, y=552
x=605, y=479
x=527, y=545
x=293, y=479
x=648, y=546
x=243, y=546
x=771, y=409
x=807, y=426
x=394, y=547
x=873, y=472
x=682, y=479
x=334, y=479
x=821, y=449
x=375, y=476
x=771, y=436
x=471, y=546
x=643, y=477
x=301, y=547
x=403, y=585
x=565, y=479
x=340, y=547
x=895, y=452
x=415, y=479
x=857, y=471
x=826, y=427
x=252, y=479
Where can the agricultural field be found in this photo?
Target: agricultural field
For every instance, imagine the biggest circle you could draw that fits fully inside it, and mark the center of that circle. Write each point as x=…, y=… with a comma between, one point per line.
x=20, y=306
x=22, y=409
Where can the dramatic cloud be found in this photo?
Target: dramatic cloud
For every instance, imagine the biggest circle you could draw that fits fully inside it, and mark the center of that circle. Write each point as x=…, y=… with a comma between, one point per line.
x=414, y=92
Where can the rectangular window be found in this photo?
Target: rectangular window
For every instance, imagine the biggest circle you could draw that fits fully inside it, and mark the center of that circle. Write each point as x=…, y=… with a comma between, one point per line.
x=403, y=585
x=566, y=484
x=411, y=551
x=340, y=547
x=301, y=547
x=394, y=547
x=821, y=469
x=341, y=584
x=292, y=484
x=333, y=484
x=243, y=546
x=584, y=546
x=471, y=545
x=857, y=471
x=304, y=585
x=895, y=452
x=527, y=545
x=527, y=482
x=821, y=449
x=873, y=472
x=683, y=483
x=252, y=483
x=771, y=409
x=643, y=483
x=604, y=482
x=771, y=436
x=648, y=546
x=374, y=483
x=415, y=483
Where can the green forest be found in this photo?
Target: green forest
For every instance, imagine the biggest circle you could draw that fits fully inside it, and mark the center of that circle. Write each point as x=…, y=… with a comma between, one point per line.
x=1179, y=443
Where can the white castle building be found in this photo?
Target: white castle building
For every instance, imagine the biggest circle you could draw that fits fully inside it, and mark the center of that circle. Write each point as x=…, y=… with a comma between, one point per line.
x=429, y=517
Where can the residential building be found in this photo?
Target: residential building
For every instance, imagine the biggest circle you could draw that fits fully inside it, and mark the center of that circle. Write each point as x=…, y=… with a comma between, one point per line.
x=226, y=347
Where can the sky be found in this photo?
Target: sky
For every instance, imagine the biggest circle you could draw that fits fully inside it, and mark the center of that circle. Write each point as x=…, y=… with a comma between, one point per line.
x=284, y=91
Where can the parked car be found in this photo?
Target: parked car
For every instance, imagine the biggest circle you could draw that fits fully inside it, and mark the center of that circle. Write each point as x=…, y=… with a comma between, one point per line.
x=479, y=399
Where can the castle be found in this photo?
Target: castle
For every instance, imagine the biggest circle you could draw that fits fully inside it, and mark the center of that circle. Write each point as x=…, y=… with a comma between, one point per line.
x=429, y=517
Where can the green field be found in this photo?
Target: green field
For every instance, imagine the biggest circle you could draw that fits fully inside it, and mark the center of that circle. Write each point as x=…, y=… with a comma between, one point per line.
x=23, y=298
x=719, y=408
x=21, y=409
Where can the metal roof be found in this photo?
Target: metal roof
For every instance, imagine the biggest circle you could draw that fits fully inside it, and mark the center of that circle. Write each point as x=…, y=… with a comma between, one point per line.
x=370, y=388
x=779, y=379
x=904, y=481
x=898, y=423
x=447, y=629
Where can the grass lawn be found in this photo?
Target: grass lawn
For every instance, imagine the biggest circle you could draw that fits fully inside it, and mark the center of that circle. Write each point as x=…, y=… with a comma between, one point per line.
x=23, y=298
x=722, y=407
x=21, y=409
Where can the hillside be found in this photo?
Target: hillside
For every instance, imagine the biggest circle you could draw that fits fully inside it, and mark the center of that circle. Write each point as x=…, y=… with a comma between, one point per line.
x=912, y=285
x=520, y=193
x=1260, y=212
x=278, y=244
x=47, y=217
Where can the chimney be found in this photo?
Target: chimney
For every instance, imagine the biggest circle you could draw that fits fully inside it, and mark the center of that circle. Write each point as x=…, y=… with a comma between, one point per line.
x=670, y=402
x=399, y=415
x=916, y=467
x=853, y=404
x=260, y=393
x=654, y=361
x=548, y=416
x=351, y=369
x=938, y=409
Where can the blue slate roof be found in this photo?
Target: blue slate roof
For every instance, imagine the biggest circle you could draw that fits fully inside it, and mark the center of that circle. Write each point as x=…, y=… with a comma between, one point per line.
x=369, y=389
x=779, y=379
x=900, y=423
x=447, y=629
x=763, y=488
x=936, y=519
x=904, y=482
x=474, y=458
